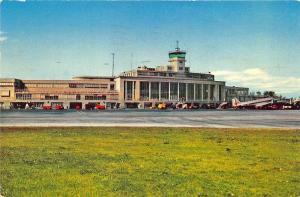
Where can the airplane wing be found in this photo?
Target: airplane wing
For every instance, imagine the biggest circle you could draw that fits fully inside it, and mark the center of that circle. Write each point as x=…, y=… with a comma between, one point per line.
x=262, y=104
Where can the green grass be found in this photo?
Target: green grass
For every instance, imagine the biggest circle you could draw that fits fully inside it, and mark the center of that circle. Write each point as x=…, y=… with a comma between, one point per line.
x=149, y=162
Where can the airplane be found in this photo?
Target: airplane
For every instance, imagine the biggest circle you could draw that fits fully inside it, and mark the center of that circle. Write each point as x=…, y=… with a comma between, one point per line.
x=256, y=104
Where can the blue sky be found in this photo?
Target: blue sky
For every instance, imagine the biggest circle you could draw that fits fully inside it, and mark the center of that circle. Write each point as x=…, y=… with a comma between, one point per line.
x=253, y=44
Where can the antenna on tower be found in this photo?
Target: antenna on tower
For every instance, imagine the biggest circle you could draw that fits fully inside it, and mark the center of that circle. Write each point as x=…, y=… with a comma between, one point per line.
x=131, y=60
x=113, y=64
x=177, y=45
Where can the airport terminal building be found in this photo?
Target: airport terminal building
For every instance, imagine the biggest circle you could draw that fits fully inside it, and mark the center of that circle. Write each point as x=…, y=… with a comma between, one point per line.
x=142, y=87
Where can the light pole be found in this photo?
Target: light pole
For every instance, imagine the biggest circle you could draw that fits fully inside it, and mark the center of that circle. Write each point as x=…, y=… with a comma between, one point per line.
x=113, y=64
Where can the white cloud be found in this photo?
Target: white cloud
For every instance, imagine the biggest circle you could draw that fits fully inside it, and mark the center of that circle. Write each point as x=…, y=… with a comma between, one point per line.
x=2, y=37
x=259, y=79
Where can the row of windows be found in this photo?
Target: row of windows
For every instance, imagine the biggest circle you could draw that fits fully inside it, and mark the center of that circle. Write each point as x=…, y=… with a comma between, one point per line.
x=129, y=90
x=82, y=85
x=23, y=96
x=187, y=91
x=6, y=84
x=47, y=97
x=162, y=74
x=71, y=85
x=56, y=97
x=238, y=92
x=95, y=97
x=45, y=85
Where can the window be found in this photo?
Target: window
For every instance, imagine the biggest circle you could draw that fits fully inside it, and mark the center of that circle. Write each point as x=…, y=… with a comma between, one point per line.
x=164, y=91
x=154, y=90
x=93, y=86
x=174, y=91
x=47, y=97
x=212, y=90
x=205, y=91
x=60, y=85
x=23, y=96
x=144, y=90
x=45, y=85
x=112, y=86
x=78, y=97
x=198, y=92
x=95, y=97
x=180, y=68
x=88, y=85
x=30, y=85
x=221, y=88
x=6, y=84
x=5, y=93
x=129, y=90
x=74, y=85
x=182, y=91
x=190, y=91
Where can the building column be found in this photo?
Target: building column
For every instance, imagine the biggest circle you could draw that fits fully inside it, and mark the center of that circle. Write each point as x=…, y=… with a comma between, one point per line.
x=149, y=90
x=159, y=91
x=137, y=90
x=217, y=92
x=169, y=91
x=208, y=92
x=125, y=90
x=132, y=93
x=202, y=92
x=178, y=91
x=186, y=91
x=194, y=91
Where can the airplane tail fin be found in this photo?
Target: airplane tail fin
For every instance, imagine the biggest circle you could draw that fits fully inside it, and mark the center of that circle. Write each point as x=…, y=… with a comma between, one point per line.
x=235, y=102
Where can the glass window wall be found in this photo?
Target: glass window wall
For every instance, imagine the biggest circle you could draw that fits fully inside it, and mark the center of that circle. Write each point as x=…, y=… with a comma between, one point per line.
x=190, y=91
x=205, y=91
x=154, y=90
x=182, y=91
x=164, y=91
x=174, y=91
x=144, y=90
x=198, y=93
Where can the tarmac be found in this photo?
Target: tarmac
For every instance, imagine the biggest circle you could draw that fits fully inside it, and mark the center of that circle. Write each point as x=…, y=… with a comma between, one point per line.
x=153, y=118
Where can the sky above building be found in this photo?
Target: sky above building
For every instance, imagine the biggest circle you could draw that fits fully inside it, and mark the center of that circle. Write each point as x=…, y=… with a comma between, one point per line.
x=251, y=44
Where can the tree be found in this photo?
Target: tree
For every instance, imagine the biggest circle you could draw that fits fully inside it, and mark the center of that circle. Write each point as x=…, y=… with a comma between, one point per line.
x=269, y=94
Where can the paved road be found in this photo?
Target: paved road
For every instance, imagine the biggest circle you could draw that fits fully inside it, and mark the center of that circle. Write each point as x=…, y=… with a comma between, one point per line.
x=210, y=118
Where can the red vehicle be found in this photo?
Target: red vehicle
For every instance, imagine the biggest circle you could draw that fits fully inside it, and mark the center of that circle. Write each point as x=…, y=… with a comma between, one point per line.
x=47, y=107
x=100, y=107
x=59, y=107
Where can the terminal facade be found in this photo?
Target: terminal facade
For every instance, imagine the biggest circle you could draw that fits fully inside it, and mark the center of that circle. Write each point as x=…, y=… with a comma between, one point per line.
x=142, y=87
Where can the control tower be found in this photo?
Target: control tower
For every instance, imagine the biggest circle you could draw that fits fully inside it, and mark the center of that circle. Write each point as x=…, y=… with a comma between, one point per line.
x=177, y=59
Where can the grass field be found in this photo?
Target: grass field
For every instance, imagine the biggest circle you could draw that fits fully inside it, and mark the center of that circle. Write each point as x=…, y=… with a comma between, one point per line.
x=149, y=162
